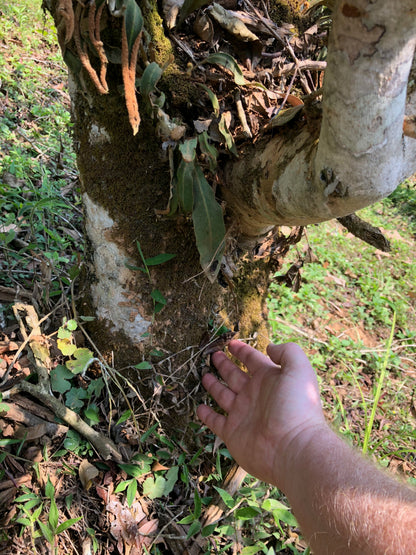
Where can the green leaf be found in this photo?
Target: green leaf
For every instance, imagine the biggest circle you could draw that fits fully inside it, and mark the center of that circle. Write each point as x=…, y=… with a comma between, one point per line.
x=159, y=259
x=209, y=150
x=64, y=333
x=271, y=504
x=83, y=358
x=150, y=77
x=131, y=492
x=251, y=550
x=213, y=98
x=197, y=504
x=49, y=489
x=46, y=532
x=95, y=387
x=125, y=416
x=59, y=379
x=209, y=226
x=133, y=21
x=284, y=516
x=171, y=477
x=226, y=497
x=229, y=141
x=67, y=524
x=226, y=60
x=122, y=486
x=66, y=347
x=143, y=365
x=185, y=186
x=187, y=519
x=26, y=497
x=154, y=487
x=75, y=398
x=72, y=440
x=24, y=521
x=92, y=413
x=194, y=528
x=149, y=432
x=53, y=517
x=247, y=513
x=208, y=530
x=187, y=149
x=158, y=297
x=134, y=470
x=71, y=325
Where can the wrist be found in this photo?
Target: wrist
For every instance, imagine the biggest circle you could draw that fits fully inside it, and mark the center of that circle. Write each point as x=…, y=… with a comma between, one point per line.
x=300, y=446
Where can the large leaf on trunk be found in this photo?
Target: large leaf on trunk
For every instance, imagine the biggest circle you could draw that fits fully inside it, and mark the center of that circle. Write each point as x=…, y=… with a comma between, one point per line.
x=208, y=225
x=133, y=21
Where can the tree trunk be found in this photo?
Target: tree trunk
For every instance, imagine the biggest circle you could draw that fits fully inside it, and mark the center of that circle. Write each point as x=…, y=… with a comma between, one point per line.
x=287, y=179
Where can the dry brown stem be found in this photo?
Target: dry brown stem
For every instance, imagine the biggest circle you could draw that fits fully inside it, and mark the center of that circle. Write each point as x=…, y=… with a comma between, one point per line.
x=83, y=55
x=27, y=316
x=65, y=12
x=128, y=68
x=94, y=19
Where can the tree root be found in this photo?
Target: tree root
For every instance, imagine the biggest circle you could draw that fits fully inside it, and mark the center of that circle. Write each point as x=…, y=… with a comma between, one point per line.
x=39, y=352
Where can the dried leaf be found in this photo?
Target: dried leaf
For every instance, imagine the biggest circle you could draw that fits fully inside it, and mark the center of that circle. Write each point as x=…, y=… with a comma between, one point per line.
x=284, y=116
x=231, y=23
x=87, y=472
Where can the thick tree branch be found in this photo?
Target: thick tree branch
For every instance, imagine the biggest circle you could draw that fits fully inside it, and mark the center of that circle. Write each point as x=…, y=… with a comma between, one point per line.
x=361, y=155
x=365, y=231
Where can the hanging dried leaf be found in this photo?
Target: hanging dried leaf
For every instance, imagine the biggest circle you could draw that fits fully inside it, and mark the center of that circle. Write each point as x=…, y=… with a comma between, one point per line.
x=231, y=23
x=87, y=472
x=171, y=9
x=284, y=116
x=204, y=28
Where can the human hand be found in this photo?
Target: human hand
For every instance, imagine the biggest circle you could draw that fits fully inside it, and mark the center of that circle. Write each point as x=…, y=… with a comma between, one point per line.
x=271, y=411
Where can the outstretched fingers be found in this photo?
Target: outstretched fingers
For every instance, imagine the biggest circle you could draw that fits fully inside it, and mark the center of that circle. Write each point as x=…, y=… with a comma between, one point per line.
x=212, y=419
x=235, y=378
x=221, y=394
x=250, y=357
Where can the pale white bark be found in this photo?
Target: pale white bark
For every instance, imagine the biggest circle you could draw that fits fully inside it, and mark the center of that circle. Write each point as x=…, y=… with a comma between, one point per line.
x=113, y=292
x=362, y=154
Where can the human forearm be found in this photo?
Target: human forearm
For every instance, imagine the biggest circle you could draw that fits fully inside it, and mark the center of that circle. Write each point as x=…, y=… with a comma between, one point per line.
x=343, y=503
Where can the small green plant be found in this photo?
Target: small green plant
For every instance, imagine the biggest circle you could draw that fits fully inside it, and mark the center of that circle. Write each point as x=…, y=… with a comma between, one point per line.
x=41, y=516
x=159, y=301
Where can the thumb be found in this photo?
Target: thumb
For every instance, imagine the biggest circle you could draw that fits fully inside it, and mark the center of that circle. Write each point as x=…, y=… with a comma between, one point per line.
x=287, y=354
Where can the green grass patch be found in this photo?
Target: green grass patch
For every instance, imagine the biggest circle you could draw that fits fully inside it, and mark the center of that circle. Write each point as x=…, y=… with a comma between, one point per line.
x=342, y=316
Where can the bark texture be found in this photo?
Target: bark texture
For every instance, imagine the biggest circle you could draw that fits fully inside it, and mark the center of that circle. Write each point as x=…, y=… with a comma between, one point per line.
x=305, y=173
x=359, y=154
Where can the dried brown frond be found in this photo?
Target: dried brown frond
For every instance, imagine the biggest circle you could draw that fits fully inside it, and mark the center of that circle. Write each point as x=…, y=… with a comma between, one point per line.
x=83, y=55
x=128, y=69
x=65, y=13
x=94, y=18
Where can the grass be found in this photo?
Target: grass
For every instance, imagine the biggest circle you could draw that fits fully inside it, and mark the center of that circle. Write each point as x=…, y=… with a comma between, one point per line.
x=343, y=316
x=39, y=205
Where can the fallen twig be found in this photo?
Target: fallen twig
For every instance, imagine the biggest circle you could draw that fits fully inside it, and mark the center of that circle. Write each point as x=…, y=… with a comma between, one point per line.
x=39, y=351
